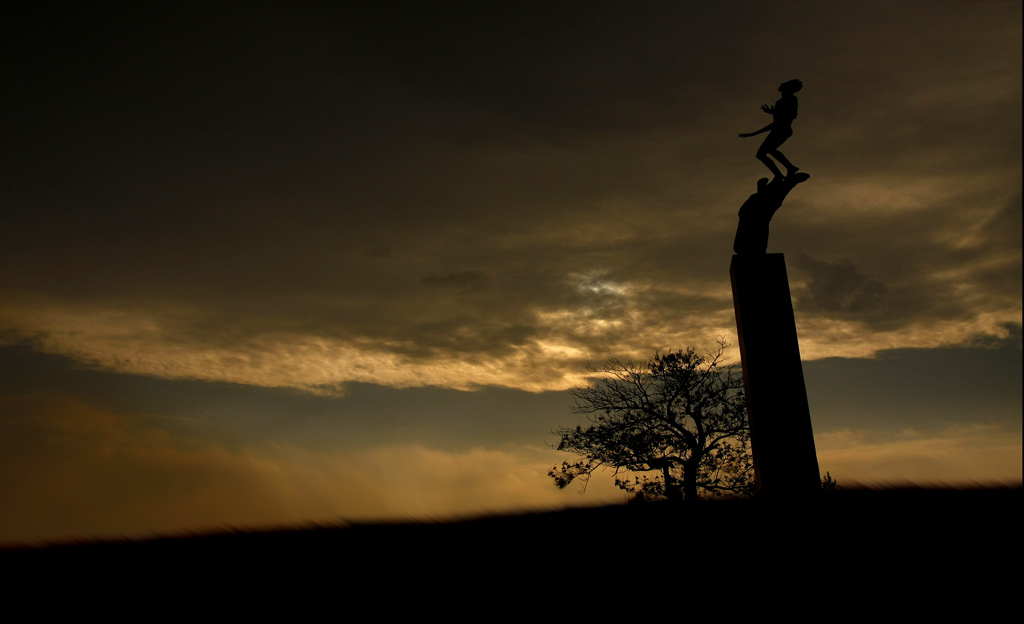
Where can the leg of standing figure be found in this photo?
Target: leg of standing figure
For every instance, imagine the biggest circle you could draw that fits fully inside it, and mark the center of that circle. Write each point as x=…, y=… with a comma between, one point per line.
x=771, y=144
x=771, y=165
x=790, y=169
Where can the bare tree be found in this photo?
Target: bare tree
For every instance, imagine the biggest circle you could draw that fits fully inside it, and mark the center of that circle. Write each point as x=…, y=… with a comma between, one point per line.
x=680, y=416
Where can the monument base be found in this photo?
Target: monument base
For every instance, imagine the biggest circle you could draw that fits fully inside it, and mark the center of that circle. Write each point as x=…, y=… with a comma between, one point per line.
x=781, y=438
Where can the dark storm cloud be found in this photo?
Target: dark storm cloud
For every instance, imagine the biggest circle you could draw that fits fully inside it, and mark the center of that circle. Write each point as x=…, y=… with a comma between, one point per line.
x=443, y=179
x=839, y=289
x=1003, y=229
x=464, y=281
x=925, y=265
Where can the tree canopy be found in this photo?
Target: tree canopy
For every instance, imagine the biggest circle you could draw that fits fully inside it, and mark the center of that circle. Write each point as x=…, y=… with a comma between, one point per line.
x=674, y=426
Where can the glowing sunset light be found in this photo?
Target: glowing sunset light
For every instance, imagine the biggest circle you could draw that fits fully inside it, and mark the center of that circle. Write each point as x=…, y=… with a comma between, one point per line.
x=345, y=260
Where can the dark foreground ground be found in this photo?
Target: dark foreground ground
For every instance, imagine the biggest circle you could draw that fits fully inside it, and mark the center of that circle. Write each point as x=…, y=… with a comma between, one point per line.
x=930, y=550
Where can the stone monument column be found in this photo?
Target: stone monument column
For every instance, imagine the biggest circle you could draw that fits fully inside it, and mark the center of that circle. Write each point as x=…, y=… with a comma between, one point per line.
x=781, y=438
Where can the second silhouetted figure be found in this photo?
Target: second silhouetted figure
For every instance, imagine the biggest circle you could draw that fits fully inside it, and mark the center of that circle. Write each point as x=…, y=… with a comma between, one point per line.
x=757, y=212
x=781, y=128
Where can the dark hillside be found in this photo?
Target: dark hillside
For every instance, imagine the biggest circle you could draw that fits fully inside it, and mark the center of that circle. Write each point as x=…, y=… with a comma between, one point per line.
x=882, y=542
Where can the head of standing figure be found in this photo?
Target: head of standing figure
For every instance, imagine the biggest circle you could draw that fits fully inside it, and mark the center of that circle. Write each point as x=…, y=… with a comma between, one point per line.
x=791, y=87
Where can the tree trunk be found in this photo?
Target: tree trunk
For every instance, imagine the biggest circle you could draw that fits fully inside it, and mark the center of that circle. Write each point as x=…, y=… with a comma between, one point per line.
x=690, y=469
x=672, y=492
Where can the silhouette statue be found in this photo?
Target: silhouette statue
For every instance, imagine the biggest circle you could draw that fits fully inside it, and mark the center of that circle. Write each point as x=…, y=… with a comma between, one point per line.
x=758, y=210
x=781, y=436
x=781, y=128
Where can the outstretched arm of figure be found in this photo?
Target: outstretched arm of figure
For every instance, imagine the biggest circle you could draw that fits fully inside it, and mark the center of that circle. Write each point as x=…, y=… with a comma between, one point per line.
x=765, y=129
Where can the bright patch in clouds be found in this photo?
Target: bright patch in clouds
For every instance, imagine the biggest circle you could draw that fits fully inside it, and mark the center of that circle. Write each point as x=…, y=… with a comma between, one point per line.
x=141, y=341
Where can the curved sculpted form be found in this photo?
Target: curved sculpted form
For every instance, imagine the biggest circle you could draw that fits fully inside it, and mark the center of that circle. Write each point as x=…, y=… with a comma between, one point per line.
x=757, y=212
x=781, y=128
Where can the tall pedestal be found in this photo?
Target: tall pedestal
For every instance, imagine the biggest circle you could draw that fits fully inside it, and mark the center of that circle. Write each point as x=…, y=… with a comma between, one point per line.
x=781, y=438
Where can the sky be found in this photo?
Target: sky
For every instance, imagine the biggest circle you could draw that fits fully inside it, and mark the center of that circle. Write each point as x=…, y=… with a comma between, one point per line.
x=265, y=263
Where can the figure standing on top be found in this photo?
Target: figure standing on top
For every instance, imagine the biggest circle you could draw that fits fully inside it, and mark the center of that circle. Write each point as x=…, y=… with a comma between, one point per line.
x=783, y=113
